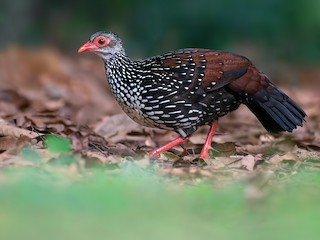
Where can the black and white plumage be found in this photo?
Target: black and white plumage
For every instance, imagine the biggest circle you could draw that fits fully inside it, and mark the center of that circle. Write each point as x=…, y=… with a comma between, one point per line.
x=183, y=90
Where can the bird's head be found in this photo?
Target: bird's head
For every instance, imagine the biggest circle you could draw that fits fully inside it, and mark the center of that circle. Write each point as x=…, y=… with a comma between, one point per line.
x=104, y=44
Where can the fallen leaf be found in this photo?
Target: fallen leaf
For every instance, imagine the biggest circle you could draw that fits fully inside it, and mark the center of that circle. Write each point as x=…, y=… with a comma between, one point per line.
x=170, y=156
x=256, y=149
x=149, y=142
x=7, y=129
x=97, y=155
x=180, y=163
x=14, y=97
x=276, y=159
x=119, y=123
x=248, y=162
x=223, y=150
x=8, y=142
x=56, y=127
x=286, y=145
x=79, y=143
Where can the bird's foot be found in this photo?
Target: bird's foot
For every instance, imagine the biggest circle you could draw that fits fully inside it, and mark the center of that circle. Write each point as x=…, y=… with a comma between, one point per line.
x=205, y=153
x=154, y=153
x=166, y=147
x=207, y=145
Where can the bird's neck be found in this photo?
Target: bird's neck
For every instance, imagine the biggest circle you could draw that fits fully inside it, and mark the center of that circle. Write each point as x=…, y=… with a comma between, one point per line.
x=123, y=81
x=119, y=69
x=112, y=58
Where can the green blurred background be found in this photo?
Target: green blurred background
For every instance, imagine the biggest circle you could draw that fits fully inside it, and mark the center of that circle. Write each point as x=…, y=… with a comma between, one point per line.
x=282, y=30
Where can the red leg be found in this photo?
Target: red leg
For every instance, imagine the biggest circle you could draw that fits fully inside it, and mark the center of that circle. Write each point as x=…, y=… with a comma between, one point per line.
x=164, y=148
x=207, y=145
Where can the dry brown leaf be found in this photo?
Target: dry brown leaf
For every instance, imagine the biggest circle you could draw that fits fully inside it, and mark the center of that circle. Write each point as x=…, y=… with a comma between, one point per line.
x=305, y=154
x=276, y=159
x=12, y=145
x=149, y=142
x=53, y=105
x=219, y=162
x=264, y=138
x=286, y=145
x=223, y=150
x=256, y=149
x=20, y=120
x=79, y=143
x=180, y=163
x=116, y=124
x=101, y=157
x=121, y=150
x=170, y=156
x=8, y=142
x=7, y=129
x=122, y=137
x=248, y=162
x=56, y=128
x=8, y=109
x=13, y=97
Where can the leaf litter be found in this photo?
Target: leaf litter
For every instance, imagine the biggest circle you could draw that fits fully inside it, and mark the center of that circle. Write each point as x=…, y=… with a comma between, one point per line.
x=44, y=92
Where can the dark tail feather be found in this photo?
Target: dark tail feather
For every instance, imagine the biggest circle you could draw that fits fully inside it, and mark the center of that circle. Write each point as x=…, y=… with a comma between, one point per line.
x=276, y=111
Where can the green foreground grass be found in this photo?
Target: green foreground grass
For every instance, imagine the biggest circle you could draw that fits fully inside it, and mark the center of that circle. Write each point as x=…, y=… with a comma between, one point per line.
x=48, y=202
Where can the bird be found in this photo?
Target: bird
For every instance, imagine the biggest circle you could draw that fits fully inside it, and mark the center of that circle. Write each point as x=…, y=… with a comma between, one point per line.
x=191, y=87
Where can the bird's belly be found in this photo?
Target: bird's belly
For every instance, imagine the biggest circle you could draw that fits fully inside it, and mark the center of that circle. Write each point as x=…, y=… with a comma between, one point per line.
x=182, y=113
x=135, y=113
x=186, y=114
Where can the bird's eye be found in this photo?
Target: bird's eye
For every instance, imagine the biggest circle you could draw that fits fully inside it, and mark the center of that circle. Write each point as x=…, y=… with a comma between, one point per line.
x=101, y=41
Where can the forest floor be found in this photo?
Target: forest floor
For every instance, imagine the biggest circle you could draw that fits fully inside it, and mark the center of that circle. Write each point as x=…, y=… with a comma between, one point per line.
x=43, y=92
x=74, y=166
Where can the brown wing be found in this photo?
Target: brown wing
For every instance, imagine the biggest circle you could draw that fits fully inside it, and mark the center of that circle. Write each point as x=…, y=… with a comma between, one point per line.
x=251, y=82
x=208, y=70
x=193, y=73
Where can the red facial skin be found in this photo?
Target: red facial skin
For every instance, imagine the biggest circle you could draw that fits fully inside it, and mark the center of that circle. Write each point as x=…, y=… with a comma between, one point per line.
x=98, y=42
